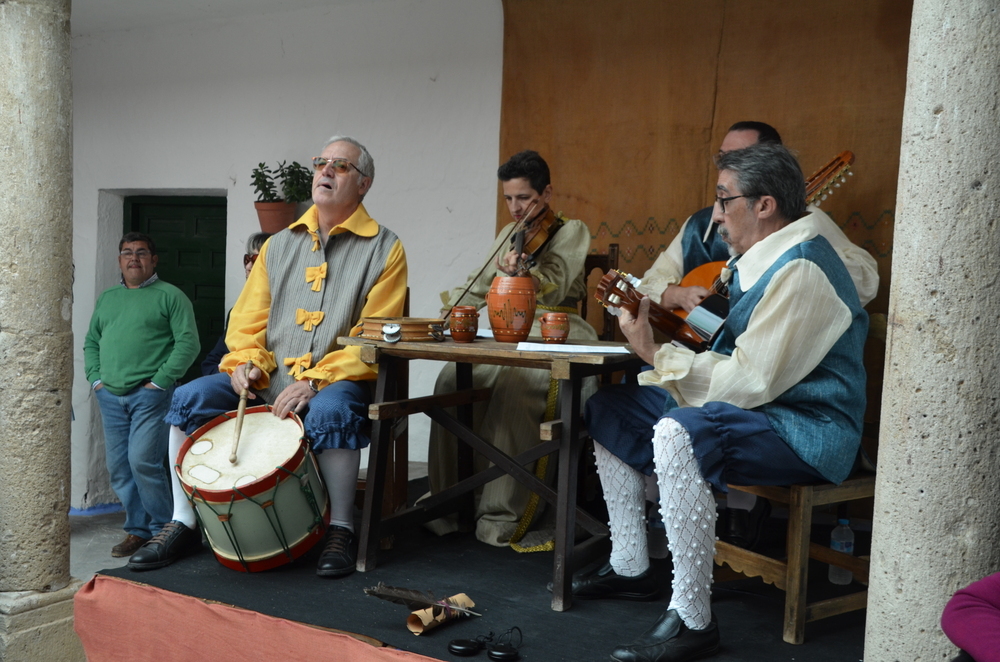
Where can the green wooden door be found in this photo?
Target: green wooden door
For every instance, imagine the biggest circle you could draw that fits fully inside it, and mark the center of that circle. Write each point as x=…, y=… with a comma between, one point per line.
x=190, y=236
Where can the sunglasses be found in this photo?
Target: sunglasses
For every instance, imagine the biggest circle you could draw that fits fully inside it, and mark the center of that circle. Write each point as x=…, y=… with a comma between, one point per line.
x=340, y=166
x=249, y=259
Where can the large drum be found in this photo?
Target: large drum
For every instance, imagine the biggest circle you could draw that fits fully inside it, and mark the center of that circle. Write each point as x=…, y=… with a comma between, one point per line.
x=268, y=508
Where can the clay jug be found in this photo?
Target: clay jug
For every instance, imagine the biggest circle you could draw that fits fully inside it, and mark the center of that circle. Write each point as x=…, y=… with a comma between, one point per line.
x=464, y=323
x=555, y=327
x=510, y=305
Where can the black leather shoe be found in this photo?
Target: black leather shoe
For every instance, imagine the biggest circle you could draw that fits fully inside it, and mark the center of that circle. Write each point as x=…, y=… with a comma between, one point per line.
x=669, y=640
x=743, y=527
x=339, y=557
x=606, y=583
x=172, y=542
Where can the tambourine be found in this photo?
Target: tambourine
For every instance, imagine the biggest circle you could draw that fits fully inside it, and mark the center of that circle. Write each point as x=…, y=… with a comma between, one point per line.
x=407, y=329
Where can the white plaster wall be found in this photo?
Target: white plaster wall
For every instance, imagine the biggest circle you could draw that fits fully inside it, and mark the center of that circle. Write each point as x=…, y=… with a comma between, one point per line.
x=192, y=107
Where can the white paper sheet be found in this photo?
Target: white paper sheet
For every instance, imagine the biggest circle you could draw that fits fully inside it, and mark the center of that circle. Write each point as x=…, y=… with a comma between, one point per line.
x=570, y=349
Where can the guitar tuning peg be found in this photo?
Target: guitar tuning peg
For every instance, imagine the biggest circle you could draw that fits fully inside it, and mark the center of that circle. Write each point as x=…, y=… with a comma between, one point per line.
x=836, y=185
x=823, y=197
x=850, y=173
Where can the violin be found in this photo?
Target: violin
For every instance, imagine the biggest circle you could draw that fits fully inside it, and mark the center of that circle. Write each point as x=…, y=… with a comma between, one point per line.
x=532, y=238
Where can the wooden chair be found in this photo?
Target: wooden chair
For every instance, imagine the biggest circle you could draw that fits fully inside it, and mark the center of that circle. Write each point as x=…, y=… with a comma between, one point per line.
x=791, y=574
x=604, y=262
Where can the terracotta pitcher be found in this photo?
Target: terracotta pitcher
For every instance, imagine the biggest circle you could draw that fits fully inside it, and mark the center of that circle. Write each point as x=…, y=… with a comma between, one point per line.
x=510, y=304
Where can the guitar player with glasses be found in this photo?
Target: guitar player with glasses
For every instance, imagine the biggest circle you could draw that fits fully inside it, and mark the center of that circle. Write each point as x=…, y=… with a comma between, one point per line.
x=627, y=412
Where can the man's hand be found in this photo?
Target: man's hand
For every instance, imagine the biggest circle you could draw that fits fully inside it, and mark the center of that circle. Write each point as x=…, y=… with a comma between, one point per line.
x=240, y=379
x=508, y=263
x=687, y=298
x=638, y=331
x=151, y=385
x=295, y=397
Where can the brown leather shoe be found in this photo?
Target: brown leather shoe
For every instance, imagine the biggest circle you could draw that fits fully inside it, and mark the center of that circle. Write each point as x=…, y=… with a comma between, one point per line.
x=128, y=546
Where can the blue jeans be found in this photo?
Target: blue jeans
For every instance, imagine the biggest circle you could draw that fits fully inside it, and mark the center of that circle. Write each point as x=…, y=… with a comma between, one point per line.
x=135, y=445
x=337, y=417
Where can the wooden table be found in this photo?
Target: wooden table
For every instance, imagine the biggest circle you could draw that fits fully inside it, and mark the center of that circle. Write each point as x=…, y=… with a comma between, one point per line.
x=569, y=368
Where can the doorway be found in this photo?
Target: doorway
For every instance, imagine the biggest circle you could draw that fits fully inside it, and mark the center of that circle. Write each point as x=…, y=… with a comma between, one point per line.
x=190, y=236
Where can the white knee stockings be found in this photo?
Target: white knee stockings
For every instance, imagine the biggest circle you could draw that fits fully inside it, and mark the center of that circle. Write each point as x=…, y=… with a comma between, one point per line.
x=183, y=512
x=625, y=493
x=688, y=510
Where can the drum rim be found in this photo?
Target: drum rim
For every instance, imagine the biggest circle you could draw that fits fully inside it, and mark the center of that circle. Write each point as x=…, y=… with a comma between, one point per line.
x=262, y=484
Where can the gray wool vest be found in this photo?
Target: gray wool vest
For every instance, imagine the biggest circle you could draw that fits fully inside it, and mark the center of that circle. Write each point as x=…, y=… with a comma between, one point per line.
x=353, y=266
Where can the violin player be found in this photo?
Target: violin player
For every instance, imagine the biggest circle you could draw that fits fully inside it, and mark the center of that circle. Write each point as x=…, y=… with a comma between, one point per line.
x=553, y=255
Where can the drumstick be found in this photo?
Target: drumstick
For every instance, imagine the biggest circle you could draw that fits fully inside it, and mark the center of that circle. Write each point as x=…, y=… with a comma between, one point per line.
x=240, y=411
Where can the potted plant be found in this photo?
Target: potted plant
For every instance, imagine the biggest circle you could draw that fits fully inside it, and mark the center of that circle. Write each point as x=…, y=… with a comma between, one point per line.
x=276, y=212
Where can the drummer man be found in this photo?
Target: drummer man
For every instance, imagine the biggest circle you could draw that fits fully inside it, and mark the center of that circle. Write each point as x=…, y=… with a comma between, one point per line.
x=311, y=283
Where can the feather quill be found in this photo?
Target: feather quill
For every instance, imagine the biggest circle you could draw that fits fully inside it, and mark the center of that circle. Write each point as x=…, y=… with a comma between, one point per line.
x=415, y=600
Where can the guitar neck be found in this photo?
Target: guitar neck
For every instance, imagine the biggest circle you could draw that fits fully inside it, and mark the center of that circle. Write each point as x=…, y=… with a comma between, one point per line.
x=614, y=291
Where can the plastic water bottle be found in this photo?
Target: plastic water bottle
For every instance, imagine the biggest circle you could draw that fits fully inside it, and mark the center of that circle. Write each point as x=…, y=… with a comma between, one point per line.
x=841, y=540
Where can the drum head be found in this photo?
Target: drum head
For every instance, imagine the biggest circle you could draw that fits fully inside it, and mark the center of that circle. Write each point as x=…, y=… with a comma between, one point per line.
x=266, y=442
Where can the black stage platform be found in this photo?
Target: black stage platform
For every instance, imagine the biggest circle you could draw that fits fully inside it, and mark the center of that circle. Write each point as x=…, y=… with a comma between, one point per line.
x=509, y=590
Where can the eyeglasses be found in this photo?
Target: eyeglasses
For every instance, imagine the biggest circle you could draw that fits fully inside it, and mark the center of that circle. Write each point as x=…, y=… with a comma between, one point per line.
x=142, y=254
x=722, y=201
x=339, y=166
x=250, y=259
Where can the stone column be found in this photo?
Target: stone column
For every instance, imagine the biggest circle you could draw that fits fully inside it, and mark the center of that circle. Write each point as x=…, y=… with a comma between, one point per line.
x=937, y=505
x=36, y=340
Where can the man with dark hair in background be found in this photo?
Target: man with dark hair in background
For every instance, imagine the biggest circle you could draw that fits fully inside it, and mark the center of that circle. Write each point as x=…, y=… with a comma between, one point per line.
x=511, y=418
x=142, y=339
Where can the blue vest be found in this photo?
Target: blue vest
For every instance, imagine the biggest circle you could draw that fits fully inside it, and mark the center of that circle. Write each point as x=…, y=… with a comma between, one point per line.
x=696, y=251
x=821, y=416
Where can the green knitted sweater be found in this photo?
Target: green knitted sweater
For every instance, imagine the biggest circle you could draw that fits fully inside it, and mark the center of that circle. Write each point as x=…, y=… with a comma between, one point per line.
x=147, y=333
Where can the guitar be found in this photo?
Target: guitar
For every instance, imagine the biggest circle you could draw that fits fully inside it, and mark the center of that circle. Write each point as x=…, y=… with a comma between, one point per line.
x=697, y=332
x=819, y=187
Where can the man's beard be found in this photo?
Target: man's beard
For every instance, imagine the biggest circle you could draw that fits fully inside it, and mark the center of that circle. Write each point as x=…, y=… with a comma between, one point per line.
x=724, y=233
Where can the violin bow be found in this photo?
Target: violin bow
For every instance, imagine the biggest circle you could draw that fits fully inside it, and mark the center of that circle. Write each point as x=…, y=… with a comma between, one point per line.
x=517, y=227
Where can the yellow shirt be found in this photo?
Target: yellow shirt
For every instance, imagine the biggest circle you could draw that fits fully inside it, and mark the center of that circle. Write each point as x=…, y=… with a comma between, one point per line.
x=247, y=334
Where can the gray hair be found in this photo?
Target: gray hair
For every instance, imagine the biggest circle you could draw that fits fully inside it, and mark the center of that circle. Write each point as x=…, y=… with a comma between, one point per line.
x=256, y=241
x=768, y=169
x=366, y=164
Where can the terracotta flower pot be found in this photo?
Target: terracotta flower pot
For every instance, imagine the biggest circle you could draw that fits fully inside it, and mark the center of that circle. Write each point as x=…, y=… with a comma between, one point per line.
x=555, y=327
x=275, y=216
x=464, y=323
x=510, y=304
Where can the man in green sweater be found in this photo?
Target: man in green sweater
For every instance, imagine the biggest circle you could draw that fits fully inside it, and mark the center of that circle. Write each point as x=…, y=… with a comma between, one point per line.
x=142, y=339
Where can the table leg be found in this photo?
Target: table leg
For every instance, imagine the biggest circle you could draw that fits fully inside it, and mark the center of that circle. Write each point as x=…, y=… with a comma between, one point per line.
x=378, y=453
x=466, y=467
x=569, y=461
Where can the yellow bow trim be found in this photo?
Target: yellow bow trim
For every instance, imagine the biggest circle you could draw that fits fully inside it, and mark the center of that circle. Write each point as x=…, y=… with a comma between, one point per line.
x=316, y=243
x=299, y=364
x=316, y=276
x=308, y=319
